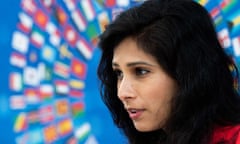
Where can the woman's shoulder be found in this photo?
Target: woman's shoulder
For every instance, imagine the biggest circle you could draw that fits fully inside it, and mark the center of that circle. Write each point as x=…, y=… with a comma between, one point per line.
x=226, y=135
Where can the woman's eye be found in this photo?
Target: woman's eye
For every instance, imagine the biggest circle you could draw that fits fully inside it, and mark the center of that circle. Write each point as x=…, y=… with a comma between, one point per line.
x=141, y=71
x=119, y=74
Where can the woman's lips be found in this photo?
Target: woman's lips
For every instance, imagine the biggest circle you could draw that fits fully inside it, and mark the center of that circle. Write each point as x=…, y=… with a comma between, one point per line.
x=135, y=113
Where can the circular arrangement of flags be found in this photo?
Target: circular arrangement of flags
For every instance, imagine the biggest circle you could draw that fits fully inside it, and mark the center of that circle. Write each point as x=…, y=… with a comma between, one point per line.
x=51, y=45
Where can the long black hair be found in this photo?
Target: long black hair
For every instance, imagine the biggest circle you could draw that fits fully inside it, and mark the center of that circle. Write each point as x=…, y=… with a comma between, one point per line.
x=180, y=35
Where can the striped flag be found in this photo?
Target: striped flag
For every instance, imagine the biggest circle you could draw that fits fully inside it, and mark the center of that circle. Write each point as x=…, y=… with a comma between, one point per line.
x=70, y=4
x=17, y=102
x=236, y=46
x=17, y=59
x=25, y=23
x=223, y=36
x=88, y=9
x=29, y=6
x=79, y=20
x=61, y=87
x=46, y=91
x=20, y=123
x=84, y=48
x=227, y=5
x=77, y=109
x=15, y=81
x=37, y=38
x=61, y=69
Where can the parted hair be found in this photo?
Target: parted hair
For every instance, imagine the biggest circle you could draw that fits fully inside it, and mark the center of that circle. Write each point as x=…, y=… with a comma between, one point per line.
x=181, y=36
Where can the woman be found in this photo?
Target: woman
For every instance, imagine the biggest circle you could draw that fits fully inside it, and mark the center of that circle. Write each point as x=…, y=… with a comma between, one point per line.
x=165, y=77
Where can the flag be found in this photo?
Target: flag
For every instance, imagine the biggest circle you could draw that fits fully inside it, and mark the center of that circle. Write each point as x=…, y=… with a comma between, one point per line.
x=17, y=102
x=103, y=20
x=76, y=94
x=46, y=91
x=84, y=48
x=44, y=72
x=17, y=59
x=76, y=84
x=41, y=19
x=78, y=68
x=20, y=123
x=61, y=69
x=64, y=52
x=82, y=131
x=62, y=107
x=88, y=9
x=216, y=16
x=25, y=23
x=29, y=6
x=31, y=96
x=123, y=3
x=61, y=87
x=33, y=117
x=65, y=127
x=46, y=114
x=48, y=4
x=55, y=38
x=223, y=36
x=37, y=38
x=227, y=5
x=30, y=76
x=110, y=3
x=48, y=53
x=79, y=20
x=20, y=42
x=92, y=32
x=50, y=134
x=77, y=109
x=61, y=15
x=70, y=35
x=15, y=81
x=70, y=4
x=202, y=2
x=236, y=46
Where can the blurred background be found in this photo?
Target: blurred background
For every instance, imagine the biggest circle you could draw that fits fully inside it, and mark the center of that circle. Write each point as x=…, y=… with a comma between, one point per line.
x=49, y=56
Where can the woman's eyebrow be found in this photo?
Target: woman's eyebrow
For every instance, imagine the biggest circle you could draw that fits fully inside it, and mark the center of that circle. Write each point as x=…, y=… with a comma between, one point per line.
x=130, y=64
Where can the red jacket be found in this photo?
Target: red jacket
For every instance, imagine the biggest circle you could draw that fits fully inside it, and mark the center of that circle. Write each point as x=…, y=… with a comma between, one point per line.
x=226, y=135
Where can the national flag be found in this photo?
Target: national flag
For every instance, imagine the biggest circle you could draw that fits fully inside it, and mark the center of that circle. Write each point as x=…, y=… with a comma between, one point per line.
x=15, y=81
x=110, y=3
x=29, y=6
x=216, y=15
x=64, y=52
x=223, y=36
x=84, y=48
x=103, y=20
x=48, y=4
x=46, y=91
x=78, y=68
x=61, y=87
x=46, y=114
x=82, y=131
x=88, y=9
x=33, y=117
x=236, y=46
x=41, y=19
x=92, y=32
x=61, y=15
x=75, y=93
x=61, y=69
x=20, y=42
x=79, y=20
x=37, y=38
x=62, y=107
x=125, y=3
x=70, y=35
x=17, y=59
x=33, y=56
x=65, y=127
x=25, y=23
x=76, y=84
x=17, y=102
x=31, y=96
x=77, y=109
x=227, y=5
x=48, y=53
x=50, y=134
x=20, y=123
x=70, y=4
x=55, y=38
x=202, y=2
x=44, y=72
x=30, y=76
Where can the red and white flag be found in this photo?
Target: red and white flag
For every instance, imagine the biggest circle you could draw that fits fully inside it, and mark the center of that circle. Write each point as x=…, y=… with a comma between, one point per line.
x=25, y=23
x=79, y=20
x=62, y=87
x=88, y=9
x=17, y=102
x=29, y=6
x=15, y=81
x=61, y=69
x=236, y=46
x=84, y=48
x=17, y=59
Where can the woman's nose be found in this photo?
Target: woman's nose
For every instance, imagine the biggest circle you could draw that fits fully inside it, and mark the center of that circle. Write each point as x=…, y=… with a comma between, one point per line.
x=125, y=89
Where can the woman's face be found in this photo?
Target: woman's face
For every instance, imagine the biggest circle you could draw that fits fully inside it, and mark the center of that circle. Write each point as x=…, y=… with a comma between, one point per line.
x=143, y=87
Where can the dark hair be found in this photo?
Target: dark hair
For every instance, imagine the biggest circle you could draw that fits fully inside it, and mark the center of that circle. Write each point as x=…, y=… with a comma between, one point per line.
x=181, y=36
